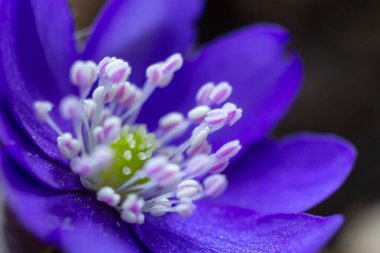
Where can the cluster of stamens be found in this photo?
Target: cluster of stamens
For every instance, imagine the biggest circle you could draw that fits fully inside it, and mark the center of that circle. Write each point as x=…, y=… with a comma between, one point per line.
x=131, y=169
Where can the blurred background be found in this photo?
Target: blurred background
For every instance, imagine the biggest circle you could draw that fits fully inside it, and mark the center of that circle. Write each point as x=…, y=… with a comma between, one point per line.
x=339, y=41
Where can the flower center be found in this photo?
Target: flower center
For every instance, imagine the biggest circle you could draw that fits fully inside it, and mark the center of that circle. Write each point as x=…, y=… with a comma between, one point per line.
x=135, y=171
x=131, y=152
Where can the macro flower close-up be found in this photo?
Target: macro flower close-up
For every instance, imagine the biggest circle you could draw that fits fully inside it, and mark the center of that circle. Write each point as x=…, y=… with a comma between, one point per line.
x=138, y=139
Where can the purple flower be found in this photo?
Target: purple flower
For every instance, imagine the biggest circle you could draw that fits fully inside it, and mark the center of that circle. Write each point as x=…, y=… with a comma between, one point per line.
x=86, y=190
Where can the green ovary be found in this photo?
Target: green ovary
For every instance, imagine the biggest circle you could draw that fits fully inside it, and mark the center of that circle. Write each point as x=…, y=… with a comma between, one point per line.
x=131, y=152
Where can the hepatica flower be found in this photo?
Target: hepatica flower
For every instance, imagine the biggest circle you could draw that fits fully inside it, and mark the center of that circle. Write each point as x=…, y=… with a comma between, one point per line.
x=136, y=143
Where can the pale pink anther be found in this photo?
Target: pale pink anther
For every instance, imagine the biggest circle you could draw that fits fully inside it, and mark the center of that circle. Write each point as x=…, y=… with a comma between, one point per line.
x=103, y=95
x=68, y=146
x=132, y=209
x=83, y=74
x=233, y=113
x=42, y=109
x=170, y=175
x=102, y=156
x=215, y=185
x=98, y=134
x=105, y=114
x=154, y=74
x=102, y=66
x=216, y=118
x=155, y=166
x=98, y=94
x=203, y=93
x=83, y=167
x=168, y=67
x=160, y=74
x=220, y=93
x=133, y=218
x=117, y=71
x=202, y=148
x=228, y=150
x=132, y=203
x=199, y=136
x=122, y=91
x=71, y=108
x=170, y=120
x=185, y=208
x=160, y=207
x=108, y=196
x=132, y=98
x=188, y=189
x=218, y=167
x=112, y=129
x=198, y=113
x=172, y=64
x=197, y=166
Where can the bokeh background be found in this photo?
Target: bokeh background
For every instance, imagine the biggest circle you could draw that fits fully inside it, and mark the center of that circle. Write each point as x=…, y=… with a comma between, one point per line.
x=339, y=41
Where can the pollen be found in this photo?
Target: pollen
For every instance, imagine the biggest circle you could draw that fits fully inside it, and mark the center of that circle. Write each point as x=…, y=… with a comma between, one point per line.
x=131, y=151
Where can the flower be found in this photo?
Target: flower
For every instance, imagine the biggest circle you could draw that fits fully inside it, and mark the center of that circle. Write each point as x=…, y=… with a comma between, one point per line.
x=77, y=206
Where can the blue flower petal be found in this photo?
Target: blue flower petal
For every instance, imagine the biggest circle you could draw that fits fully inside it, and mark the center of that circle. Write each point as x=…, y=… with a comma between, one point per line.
x=143, y=32
x=265, y=75
x=73, y=221
x=33, y=161
x=36, y=51
x=231, y=229
x=292, y=174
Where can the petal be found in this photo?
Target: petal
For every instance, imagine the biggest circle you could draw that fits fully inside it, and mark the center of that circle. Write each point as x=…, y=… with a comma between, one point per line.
x=255, y=61
x=231, y=229
x=143, y=32
x=74, y=221
x=36, y=50
x=56, y=33
x=34, y=162
x=290, y=175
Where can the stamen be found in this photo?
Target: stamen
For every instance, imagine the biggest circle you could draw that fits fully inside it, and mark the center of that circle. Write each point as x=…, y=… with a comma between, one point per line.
x=131, y=169
x=197, y=114
x=218, y=167
x=171, y=120
x=71, y=109
x=233, y=113
x=42, y=110
x=199, y=136
x=83, y=74
x=109, y=196
x=68, y=146
x=220, y=93
x=228, y=150
x=203, y=95
x=185, y=208
x=215, y=185
x=111, y=130
x=132, y=209
x=216, y=119
x=117, y=71
x=160, y=207
x=197, y=166
x=188, y=189
x=83, y=167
